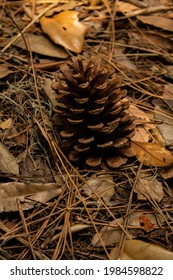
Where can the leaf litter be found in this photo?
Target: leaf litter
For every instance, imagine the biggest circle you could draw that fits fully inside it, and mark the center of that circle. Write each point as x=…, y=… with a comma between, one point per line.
x=91, y=212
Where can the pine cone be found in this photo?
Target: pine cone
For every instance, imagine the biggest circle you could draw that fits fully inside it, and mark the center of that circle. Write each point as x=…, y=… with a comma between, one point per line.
x=91, y=114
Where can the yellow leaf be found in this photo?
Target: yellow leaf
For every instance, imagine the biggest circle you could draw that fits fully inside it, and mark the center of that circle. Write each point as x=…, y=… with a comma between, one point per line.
x=65, y=29
x=152, y=154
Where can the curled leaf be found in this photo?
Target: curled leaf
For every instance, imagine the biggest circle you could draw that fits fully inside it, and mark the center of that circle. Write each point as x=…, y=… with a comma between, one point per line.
x=152, y=154
x=65, y=29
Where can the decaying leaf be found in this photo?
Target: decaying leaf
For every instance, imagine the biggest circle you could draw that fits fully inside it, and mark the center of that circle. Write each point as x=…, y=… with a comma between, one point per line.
x=143, y=124
x=109, y=234
x=4, y=71
x=166, y=125
x=152, y=154
x=35, y=171
x=167, y=173
x=8, y=163
x=149, y=187
x=125, y=7
x=51, y=94
x=157, y=21
x=70, y=5
x=112, y=233
x=41, y=45
x=6, y=124
x=140, y=250
x=95, y=2
x=140, y=116
x=65, y=29
x=135, y=220
x=122, y=59
x=27, y=194
x=103, y=185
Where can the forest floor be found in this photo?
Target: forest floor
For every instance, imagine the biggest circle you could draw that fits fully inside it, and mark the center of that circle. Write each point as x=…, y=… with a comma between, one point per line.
x=50, y=209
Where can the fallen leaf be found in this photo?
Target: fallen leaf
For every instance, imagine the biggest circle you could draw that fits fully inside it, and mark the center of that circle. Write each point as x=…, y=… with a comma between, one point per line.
x=8, y=163
x=95, y=2
x=125, y=7
x=28, y=194
x=70, y=5
x=143, y=124
x=109, y=234
x=122, y=59
x=51, y=94
x=65, y=29
x=157, y=21
x=165, y=127
x=4, y=71
x=41, y=45
x=140, y=116
x=35, y=171
x=152, y=154
x=134, y=219
x=157, y=39
x=148, y=187
x=6, y=124
x=168, y=93
x=140, y=250
x=141, y=134
x=103, y=185
x=167, y=173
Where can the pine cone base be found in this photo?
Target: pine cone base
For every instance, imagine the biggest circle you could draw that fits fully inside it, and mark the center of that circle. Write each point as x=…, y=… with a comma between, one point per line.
x=92, y=114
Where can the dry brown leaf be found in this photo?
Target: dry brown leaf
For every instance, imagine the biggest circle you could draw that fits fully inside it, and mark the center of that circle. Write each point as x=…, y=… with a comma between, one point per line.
x=125, y=7
x=27, y=194
x=103, y=185
x=167, y=173
x=94, y=2
x=168, y=93
x=149, y=187
x=158, y=39
x=152, y=154
x=41, y=45
x=140, y=116
x=8, y=163
x=122, y=59
x=141, y=134
x=165, y=127
x=143, y=124
x=140, y=250
x=7, y=124
x=70, y=5
x=112, y=233
x=109, y=234
x=4, y=71
x=157, y=136
x=157, y=21
x=134, y=219
x=51, y=94
x=65, y=29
